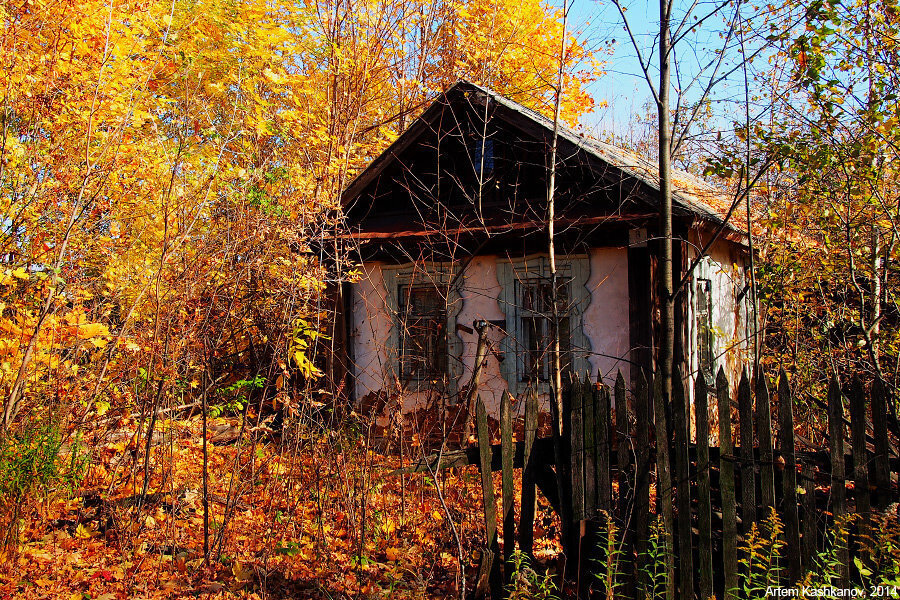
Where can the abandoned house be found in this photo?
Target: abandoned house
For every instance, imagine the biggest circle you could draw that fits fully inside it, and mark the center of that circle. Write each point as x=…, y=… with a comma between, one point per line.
x=449, y=227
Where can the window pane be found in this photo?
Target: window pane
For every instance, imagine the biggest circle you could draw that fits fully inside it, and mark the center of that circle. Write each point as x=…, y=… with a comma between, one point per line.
x=536, y=331
x=705, y=332
x=533, y=329
x=423, y=333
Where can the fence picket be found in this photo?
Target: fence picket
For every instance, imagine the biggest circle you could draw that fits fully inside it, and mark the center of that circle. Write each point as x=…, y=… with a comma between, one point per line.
x=838, y=474
x=601, y=414
x=590, y=452
x=766, y=454
x=623, y=437
x=526, y=515
x=809, y=540
x=509, y=516
x=683, y=486
x=576, y=433
x=664, y=483
x=491, y=554
x=879, y=431
x=641, y=513
x=748, y=463
x=860, y=453
x=623, y=446
x=726, y=484
x=789, y=479
x=704, y=501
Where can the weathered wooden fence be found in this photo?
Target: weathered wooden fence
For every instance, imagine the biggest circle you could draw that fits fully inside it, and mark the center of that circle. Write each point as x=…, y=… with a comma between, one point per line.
x=635, y=458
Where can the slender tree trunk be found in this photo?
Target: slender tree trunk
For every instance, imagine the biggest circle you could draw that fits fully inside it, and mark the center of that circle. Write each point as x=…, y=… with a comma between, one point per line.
x=666, y=279
x=205, y=475
x=555, y=366
x=556, y=403
x=666, y=274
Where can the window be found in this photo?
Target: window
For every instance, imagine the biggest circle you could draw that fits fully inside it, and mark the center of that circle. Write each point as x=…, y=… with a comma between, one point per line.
x=706, y=340
x=526, y=299
x=535, y=299
x=483, y=156
x=422, y=348
x=422, y=329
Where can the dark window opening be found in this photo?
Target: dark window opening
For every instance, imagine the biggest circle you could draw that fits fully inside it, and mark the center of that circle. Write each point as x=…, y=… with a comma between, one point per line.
x=482, y=153
x=536, y=321
x=706, y=336
x=423, y=333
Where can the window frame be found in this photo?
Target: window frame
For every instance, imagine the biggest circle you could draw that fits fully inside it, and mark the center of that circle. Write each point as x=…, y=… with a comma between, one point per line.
x=525, y=358
x=705, y=271
x=509, y=273
x=443, y=277
x=436, y=316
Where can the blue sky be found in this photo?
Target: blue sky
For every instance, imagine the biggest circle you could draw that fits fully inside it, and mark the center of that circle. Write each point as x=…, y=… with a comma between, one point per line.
x=623, y=87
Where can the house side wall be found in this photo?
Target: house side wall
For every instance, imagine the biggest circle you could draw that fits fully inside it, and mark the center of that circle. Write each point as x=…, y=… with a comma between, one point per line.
x=606, y=326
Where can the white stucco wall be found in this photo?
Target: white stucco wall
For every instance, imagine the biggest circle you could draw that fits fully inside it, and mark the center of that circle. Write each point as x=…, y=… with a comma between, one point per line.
x=370, y=328
x=606, y=324
x=606, y=320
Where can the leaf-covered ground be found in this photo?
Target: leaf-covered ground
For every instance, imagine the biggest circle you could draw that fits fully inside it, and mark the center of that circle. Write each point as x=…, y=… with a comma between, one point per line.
x=307, y=513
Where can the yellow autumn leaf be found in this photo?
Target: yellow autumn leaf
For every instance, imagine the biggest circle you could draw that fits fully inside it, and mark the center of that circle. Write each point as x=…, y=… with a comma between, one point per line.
x=392, y=553
x=388, y=527
x=242, y=572
x=85, y=531
x=89, y=330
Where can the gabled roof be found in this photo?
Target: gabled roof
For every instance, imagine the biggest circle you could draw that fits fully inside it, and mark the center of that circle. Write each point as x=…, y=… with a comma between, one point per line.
x=690, y=193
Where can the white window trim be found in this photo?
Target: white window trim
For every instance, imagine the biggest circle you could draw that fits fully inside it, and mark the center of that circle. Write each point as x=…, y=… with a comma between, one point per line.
x=509, y=271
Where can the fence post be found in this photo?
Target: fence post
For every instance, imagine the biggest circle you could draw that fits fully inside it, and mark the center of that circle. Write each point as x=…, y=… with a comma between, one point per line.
x=509, y=516
x=526, y=515
x=879, y=431
x=704, y=501
x=489, y=572
x=789, y=480
x=683, y=486
x=748, y=463
x=838, y=474
x=726, y=484
x=664, y=483
x=766, y=455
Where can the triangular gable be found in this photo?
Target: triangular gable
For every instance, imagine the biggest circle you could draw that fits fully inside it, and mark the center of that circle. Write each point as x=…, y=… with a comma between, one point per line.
x=691, y=195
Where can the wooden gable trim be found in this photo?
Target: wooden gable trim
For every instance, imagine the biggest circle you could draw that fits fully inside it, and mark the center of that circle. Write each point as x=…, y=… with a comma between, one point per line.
x=422, y=124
